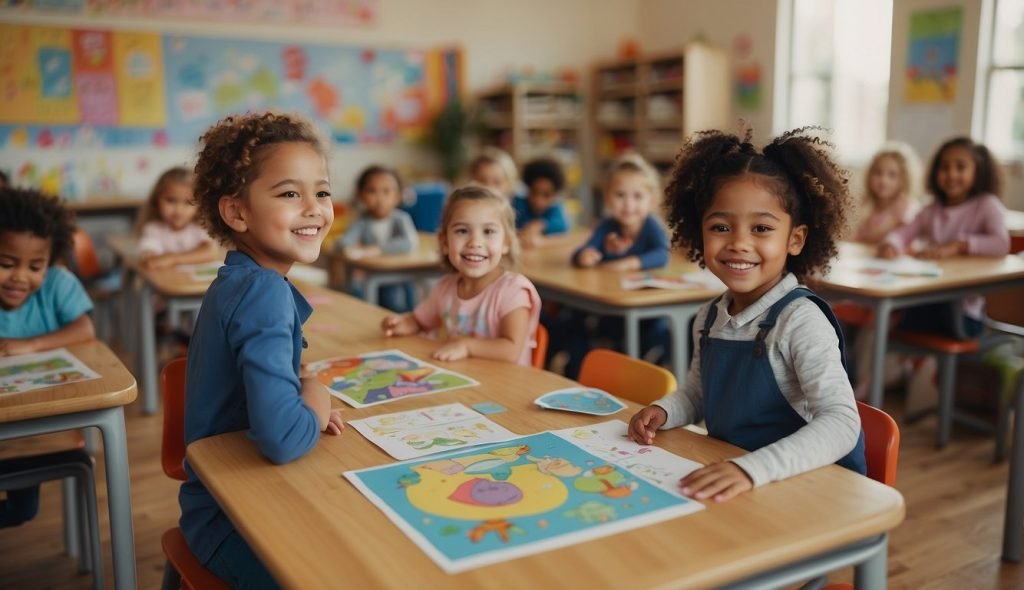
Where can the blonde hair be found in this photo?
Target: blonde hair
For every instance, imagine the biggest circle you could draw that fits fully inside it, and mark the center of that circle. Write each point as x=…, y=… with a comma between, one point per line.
x=481, y=194
x=150, y=209
x=493, y=155
x=910, y=171
x=635, y=164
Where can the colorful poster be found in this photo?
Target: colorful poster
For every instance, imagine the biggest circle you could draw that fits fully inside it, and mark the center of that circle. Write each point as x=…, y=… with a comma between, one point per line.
x=320, y=12
x=26, y=372
x=35, y=75
x=932, y=55
x=416, y=433
x=584, y=400
x=140, y=80
x=524, y=496
x=380, y=377
x=95, y=82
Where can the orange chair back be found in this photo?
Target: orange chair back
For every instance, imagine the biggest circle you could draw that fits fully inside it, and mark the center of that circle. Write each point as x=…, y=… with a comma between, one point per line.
x=881, y=443
x=87, y=264
x=172, y=449
x=626, y=377
x=540, y=353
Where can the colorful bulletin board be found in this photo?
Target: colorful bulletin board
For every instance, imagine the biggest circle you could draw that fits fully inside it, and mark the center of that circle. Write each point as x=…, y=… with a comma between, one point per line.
x=932, y=55
x=95, y=88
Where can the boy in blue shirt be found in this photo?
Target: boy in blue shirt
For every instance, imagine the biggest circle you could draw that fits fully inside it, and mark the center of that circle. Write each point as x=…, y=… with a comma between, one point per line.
x=540, y=213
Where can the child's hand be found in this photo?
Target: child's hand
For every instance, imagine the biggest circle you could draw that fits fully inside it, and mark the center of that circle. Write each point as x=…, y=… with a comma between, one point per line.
x=589, y=257
x=943, y=251
x=334, y=423
x=888, y=251
x=623, y=264
x=645, y=424
x=13, y=346
x=453, y=351
x=616, y=244
x=399, y=325
x=719, y=481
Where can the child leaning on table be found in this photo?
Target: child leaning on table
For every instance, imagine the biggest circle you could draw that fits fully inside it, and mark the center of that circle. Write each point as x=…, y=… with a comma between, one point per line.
x=767, y=374
x=42, y=306
x=167, y=228
x=262, y=187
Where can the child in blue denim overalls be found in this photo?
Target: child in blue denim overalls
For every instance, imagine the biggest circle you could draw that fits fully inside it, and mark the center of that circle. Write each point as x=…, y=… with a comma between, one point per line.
x=768, y=373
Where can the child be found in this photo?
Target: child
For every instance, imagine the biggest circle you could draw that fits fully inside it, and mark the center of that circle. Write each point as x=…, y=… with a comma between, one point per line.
x=262, y=187
x=768, y=371
x=891, y=178
x=481, y=308
x=541, y=213
x=41, y=306
x=494, y=169
x=168, y=233
x=381, y=229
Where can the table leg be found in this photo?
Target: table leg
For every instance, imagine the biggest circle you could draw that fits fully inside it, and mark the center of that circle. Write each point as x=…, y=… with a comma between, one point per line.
x=371, y=286
x=1013, y=527
x=680, y=342
x=147, y=348
x=119, y=497
x=883, y=307
x=872, y=574
x=632, y=334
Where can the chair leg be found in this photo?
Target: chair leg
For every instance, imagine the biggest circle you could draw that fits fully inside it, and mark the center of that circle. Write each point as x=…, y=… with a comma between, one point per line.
x=85, y=561
x=172, y=579
x=91, y=511
x=947, y=389
x=72, y=519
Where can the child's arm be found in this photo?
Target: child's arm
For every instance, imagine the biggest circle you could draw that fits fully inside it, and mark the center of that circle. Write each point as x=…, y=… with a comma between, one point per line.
x=207, y=251
x=653, y=242
x=555, y=220
x=80, y=330
x=898, y=240
x=590, y=253
x=508, y=346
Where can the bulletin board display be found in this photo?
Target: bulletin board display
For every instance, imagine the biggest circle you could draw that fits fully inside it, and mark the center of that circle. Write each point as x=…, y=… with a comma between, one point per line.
x=72, y=87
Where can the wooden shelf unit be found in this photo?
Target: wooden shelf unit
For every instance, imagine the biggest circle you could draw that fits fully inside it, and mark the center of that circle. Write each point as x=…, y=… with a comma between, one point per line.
x=529, y=120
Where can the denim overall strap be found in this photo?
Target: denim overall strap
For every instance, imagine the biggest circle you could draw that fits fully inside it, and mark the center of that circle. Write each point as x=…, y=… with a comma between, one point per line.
x=743, y=404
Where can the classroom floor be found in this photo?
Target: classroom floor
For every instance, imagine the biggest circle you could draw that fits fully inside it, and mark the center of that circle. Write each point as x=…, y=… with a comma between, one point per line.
x=951, y=537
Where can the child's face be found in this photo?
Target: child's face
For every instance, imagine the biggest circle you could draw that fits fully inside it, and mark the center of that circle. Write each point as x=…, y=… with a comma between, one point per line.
x=24, y=258
x=288, y=210
x=956, y=174
x=628, y=199
x=380, y=196
x=175, y=205
x=747, y=238
x=542, y=196
x=492, y=176
x=475, y=239
x=885, y=181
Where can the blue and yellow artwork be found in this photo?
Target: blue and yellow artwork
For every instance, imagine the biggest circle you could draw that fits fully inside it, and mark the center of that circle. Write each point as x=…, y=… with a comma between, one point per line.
x=584, y=400
x=489, y=504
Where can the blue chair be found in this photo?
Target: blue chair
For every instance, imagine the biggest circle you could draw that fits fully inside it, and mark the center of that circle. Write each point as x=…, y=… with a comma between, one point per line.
x=426, y=210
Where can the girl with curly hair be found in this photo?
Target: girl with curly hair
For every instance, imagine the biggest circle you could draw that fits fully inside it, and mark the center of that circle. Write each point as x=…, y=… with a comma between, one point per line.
x=768, y=373
x=262, y=187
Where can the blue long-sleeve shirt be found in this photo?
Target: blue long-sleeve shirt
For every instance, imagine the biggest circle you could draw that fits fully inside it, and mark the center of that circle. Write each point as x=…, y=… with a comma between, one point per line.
x=650, y=245
x=554, y=218
x=243, y=374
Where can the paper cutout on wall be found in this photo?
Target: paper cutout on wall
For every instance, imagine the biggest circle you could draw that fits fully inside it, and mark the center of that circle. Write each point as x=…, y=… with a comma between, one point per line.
x=932, y=55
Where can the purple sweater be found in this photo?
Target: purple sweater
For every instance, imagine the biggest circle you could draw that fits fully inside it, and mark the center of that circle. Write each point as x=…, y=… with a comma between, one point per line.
x=977, y=221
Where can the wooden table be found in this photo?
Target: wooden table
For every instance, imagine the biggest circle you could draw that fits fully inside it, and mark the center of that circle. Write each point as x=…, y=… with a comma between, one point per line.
x=98, y=403
x=315, y=530
x=422, y=263
x=961, y=276
x=600, y=291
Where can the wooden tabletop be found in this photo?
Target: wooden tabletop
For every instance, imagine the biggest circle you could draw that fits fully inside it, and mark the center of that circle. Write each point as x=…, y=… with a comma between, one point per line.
x=550, y=266
x=1014, y=221
x=115, y=387
x=313, y=529
x=958, y=272
x=424, y=257
x=169, y=282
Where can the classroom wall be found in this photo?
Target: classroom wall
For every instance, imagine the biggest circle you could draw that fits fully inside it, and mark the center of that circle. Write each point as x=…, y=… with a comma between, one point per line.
x=496, y=35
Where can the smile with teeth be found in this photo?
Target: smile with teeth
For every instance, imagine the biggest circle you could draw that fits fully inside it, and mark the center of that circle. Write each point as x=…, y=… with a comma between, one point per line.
x=474, y=257
x=306, y=231
x=740, y=265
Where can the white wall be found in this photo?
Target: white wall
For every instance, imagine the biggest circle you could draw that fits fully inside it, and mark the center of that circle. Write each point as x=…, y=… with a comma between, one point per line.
x=496, y=35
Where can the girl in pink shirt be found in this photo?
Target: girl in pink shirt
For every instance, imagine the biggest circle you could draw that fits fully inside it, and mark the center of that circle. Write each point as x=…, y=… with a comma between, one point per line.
x=481, y=308
x=168, y=232
x=889, y=193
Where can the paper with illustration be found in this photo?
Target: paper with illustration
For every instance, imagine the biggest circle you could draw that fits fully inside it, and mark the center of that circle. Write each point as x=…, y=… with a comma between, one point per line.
x=416, y=433
x=584, y=400
x=26, y=372
x=385, y=376
x=664, y=279
x=906, y=266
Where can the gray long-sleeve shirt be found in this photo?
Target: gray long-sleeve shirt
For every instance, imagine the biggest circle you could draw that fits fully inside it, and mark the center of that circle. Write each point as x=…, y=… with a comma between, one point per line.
x=402, y=237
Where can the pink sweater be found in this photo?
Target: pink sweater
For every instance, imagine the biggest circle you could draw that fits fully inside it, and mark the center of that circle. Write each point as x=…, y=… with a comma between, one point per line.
x=977, y=221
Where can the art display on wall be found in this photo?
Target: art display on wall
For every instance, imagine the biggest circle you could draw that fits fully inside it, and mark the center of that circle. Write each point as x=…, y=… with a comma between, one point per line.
x=932, y=55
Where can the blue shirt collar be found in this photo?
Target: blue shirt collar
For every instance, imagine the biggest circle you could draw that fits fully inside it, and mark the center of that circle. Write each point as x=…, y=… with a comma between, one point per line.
x=236, y=258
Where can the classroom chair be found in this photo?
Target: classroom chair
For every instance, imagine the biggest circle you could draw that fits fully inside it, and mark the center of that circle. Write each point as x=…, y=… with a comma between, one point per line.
x=74, y=468
x=626, y=377
x=426, y=209
x=540, y=352
x=182, y=569
x=86, y=266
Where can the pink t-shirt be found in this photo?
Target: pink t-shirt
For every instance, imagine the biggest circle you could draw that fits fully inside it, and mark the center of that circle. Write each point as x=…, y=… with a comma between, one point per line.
x=159, y=238
x=447, y=316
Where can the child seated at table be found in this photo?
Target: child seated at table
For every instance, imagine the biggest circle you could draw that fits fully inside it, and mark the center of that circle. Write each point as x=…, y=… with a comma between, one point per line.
x=541, y=213
x=167, y=228
x=262, y=187
x=494, y=169
x=481, y=308
x=767, y=372
x=382, y=228
x=42, y=306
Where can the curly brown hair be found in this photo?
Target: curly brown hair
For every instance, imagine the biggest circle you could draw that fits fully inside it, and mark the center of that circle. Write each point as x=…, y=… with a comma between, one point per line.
x=233, y=150
x=44, y=216
x=797, y=166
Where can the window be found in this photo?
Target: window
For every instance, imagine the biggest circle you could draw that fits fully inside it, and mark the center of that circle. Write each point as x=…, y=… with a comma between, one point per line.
x=1004, y=118
x=838, y=64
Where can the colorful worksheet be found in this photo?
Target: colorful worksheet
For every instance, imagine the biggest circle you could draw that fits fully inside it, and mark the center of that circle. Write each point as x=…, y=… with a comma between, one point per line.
x=663, y=279
x=531, y=494
x=905, y=266
x=585, y=400
x=416, y=433
x=380, y=377
x=200, y=273
x=26, y=372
